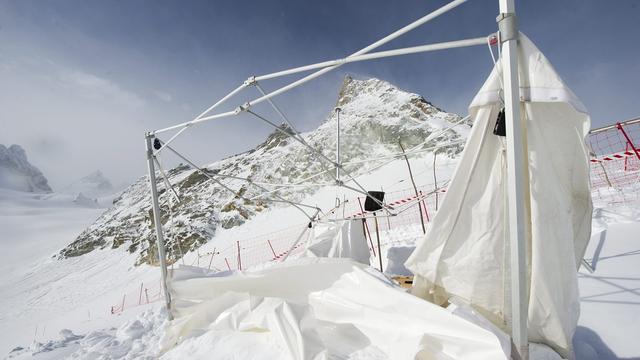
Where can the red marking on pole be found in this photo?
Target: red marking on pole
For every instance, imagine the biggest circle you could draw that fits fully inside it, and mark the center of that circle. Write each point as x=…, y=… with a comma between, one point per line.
x=424, y=204
x=366, y=226
x=239, y=258
x=227, y=261
x=619, y=126
x=140, y=297
x=273, y=251
x=626, y=150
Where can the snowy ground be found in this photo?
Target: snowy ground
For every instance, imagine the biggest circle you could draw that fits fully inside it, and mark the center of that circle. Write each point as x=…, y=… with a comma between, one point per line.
x=610, y=297
x=41, y=296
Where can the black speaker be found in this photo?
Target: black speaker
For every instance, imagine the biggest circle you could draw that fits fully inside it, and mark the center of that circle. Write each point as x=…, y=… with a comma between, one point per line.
x=370, y=204
x=156, y=144
x=500, y=128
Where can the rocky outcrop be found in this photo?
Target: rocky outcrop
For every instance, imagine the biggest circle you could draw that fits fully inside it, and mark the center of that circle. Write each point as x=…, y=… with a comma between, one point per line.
x=16, y=173
x=375, y=115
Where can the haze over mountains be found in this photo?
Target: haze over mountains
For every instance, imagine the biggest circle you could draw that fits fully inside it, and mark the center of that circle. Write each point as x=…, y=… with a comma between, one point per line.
x=16, y=173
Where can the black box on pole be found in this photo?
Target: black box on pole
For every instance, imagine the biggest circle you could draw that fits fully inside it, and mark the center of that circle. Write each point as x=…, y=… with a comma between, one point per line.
x=370, y=204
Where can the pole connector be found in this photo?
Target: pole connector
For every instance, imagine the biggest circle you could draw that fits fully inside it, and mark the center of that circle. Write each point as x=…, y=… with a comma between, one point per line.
x=242, y=108
x=251, y=81
x=508, y=26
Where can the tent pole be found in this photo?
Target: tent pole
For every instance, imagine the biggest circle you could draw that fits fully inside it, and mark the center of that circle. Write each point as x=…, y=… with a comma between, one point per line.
x=157, y=219
x=516, y=181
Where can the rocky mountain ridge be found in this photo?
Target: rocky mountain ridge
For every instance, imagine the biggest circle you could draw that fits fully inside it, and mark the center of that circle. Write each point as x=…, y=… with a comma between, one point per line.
x=16, y=173
x=374, y=117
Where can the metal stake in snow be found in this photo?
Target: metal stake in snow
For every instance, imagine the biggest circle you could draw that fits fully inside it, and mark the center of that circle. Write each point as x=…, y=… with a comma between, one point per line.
x=157, y=219
x=517, y=175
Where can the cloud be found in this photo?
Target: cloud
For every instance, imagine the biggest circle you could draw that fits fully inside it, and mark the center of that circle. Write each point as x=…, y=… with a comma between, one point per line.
x=166, y=97
x=94, y=87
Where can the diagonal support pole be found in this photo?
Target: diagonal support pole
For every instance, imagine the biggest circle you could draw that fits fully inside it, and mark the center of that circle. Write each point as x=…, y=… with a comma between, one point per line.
x=213, y=178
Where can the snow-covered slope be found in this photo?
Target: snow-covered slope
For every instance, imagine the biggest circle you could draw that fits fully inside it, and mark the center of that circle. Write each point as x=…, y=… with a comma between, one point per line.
x=43, y=294
x=374, y=116
x=17, y=173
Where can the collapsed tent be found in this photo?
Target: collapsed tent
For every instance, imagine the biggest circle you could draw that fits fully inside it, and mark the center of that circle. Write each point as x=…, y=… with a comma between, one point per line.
x=320, y=308
x=338, y=239
x=465, y=252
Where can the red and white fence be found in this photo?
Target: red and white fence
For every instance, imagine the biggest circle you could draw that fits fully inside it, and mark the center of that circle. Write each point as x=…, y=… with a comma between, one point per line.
x=615, y=175
x=615, y=162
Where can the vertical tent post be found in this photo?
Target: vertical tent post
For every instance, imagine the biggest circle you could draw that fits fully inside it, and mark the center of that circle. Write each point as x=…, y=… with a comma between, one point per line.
x=157, y=220
x=516, y=181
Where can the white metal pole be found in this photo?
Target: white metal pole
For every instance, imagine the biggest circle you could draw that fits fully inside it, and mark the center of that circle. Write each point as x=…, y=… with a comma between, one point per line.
x=365, y=50
x=517, y=179
x=157, y=219
x=338, y=144
x=434, y=14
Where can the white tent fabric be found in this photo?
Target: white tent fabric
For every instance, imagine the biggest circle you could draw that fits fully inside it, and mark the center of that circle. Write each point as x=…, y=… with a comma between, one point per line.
x=465, y=252
x=320, y=308
x=338, y=239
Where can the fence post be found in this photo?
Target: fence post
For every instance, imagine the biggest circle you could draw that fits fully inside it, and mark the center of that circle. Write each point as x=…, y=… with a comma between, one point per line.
x=273, y=251
x=424, y=204
x=210, y=261
x=227, y=261
x=424, y=230
x=619, y=126
x=375, y=219
x=239, y=258
x=146, y=294
x=140, y=297
x=123, y=297
x=626, y=158
x=366, y=226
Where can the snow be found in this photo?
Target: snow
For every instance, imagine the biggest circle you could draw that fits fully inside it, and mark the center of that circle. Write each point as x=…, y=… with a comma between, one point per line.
x=42, y=296
x=54, y=308
x=610, y=297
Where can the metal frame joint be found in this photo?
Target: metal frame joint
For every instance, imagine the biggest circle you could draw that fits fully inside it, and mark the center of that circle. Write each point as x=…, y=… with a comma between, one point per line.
x=251, y=81
x=507, y=26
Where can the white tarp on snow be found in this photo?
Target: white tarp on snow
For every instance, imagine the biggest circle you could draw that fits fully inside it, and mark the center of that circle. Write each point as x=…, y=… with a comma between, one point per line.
x=466, y=250
x=319, y=308
x=338, y=239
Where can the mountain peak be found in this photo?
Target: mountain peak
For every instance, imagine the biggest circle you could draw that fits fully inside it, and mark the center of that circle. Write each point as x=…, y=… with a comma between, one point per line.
x=375, y=116
x=374, y=92
x=17, y=173
x=98, y=179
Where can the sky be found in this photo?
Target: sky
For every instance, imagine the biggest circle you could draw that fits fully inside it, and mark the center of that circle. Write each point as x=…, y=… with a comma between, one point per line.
x=82, y=80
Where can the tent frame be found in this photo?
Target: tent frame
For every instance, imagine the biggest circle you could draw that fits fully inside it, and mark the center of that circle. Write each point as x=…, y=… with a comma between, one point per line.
x=517, y=169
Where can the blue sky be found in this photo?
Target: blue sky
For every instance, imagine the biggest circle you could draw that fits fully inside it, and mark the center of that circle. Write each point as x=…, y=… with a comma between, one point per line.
x=82, y=79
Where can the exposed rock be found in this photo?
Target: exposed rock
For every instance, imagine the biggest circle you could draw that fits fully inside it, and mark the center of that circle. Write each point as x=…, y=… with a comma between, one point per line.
x=17, y=173
x=375, y=115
